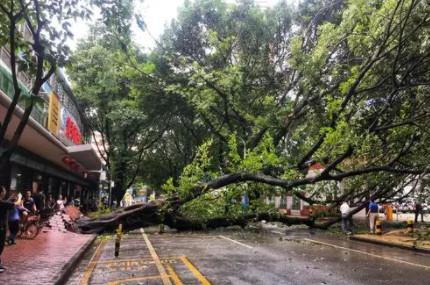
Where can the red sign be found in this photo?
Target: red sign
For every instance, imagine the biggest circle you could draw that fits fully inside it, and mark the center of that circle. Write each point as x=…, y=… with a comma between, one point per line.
x=72, y=131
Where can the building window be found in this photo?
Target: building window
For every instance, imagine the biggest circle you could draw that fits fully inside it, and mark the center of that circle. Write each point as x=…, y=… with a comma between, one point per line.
x=16, y=180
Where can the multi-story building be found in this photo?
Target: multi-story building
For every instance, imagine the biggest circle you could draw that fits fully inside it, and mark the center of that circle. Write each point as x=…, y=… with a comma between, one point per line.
x=99, y=145
x=54, y=154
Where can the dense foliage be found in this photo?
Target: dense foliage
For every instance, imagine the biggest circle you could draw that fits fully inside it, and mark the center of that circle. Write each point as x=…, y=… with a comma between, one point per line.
x=240, y=95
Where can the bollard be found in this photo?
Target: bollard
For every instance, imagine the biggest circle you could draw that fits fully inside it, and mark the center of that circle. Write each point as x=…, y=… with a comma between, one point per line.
x=410, y=228
x=389, y=211
x=378, y=229
x=118, y=239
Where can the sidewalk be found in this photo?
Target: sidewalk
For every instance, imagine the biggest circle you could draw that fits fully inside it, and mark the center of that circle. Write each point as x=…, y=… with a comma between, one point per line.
x=396, y=238
x=42, y=260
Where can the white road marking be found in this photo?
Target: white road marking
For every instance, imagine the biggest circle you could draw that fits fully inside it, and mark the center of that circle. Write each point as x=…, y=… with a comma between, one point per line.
x=366, y=253
x=235, y=241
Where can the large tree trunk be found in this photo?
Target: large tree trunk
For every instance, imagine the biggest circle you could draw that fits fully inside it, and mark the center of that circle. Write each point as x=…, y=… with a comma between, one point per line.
x=150, y=214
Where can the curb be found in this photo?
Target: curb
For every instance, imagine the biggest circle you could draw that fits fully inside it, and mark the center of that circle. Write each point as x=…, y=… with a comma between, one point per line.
x=65, y=271
x=385, y=243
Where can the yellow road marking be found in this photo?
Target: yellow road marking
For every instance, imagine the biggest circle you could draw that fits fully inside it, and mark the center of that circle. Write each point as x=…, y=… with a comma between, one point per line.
x=235, y=241
x=367, y=253
x=160, y=268
x=193, y=269
x=164, y=259
x=86, y=278
x=137, y=278
x=173, y=274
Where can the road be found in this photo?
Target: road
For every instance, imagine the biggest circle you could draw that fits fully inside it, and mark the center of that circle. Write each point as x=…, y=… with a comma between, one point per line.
x=248, y=257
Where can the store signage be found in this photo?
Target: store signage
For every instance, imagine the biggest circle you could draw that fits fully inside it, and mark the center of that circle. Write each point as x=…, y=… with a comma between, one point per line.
x=72, y=131
x=71, y=163
x=53, y=114
x=69, y=130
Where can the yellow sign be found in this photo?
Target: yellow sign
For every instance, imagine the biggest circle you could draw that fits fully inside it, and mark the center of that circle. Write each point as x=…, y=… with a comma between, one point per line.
x=53, y=114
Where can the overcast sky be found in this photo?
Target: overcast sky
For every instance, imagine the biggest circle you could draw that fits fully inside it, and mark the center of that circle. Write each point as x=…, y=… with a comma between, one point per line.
x=157, y=14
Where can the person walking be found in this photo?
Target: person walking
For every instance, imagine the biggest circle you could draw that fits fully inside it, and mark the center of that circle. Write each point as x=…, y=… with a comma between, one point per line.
x=373, y=215
x=345, y=211
x=5, y=206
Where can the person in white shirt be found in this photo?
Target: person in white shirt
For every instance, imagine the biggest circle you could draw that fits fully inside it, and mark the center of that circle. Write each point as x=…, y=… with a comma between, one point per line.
x=60, y=203
x=345, y=211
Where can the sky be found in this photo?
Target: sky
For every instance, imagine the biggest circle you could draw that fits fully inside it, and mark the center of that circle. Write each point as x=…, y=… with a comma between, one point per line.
x=156, y=14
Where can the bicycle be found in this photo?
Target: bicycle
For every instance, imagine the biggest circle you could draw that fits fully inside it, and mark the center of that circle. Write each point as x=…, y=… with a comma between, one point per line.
x=31, y=228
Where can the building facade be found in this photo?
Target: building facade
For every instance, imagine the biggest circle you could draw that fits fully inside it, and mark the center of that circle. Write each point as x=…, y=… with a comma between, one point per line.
x=54, y=154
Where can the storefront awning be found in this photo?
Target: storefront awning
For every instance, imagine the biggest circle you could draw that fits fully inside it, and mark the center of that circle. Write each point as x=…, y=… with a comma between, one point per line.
x=86, y=156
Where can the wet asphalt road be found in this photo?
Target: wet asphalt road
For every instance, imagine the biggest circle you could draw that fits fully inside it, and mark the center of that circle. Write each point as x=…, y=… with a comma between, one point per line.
x=250, y=257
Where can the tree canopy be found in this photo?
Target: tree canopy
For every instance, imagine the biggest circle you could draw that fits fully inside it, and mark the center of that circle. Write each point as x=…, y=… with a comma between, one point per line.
x=349, y=91
x=265, y=93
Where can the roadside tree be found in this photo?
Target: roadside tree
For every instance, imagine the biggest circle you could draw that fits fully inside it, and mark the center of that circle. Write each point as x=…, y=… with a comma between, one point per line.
x=350, y=91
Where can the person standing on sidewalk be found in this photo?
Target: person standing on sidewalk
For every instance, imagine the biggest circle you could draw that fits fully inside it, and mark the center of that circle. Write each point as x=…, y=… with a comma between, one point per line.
x=13, y=218
x=39, y=199
x=418, y=210
x=345, y=210
x=373, y=215
x=5, y=206
x=245, y=202
x=397, y=207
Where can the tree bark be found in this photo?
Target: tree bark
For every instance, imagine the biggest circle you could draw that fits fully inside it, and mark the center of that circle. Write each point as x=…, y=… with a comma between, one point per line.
x=151, y=214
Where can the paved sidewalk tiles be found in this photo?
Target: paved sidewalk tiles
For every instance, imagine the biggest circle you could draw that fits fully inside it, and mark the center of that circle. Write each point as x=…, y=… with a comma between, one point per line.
x=39, y=261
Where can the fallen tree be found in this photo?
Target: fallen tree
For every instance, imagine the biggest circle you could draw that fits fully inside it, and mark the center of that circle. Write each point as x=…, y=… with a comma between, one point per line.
x=145, y=215
x=167, y=212
x=350, y=95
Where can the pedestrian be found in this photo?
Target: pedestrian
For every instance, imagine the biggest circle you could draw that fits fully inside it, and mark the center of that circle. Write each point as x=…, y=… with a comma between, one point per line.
x=5, y=206
x=39, y=199
x=29, y=203
x=60, y=203
x=13, y=218
x=245, y=202
x=345, y=211
x=28, y=207
x=70, y=201
x=418, y=210
x=50, y=203
x=397, y=207
x=373, y=215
